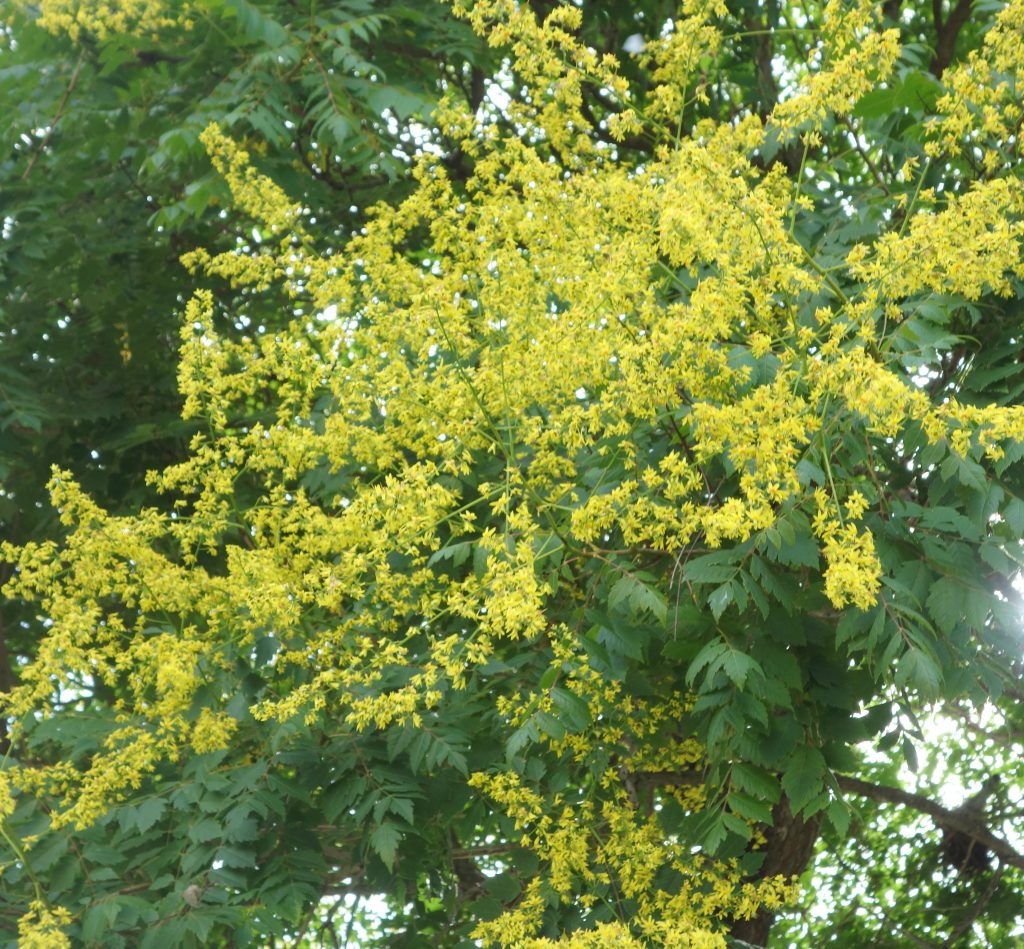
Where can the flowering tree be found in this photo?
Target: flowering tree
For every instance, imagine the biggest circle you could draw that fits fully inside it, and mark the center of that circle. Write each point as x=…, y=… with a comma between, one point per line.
x=597, y=527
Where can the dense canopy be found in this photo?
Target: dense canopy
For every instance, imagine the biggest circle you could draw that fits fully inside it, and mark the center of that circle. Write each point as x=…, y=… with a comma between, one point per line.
x=511, y=474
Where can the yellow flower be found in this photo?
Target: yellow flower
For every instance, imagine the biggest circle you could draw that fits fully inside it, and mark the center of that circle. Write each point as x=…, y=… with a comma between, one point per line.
x=42, y=927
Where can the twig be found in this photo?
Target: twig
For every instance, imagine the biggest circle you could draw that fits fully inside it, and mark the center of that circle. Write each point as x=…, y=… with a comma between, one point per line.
x=56, y=117
x=944, y=817
x=865, y=157
x=968, y=921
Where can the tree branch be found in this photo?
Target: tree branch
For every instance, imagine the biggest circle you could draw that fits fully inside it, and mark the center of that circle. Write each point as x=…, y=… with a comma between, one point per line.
x=946, y=33
x=56, y=118
x=976, y=910
x=945, y=818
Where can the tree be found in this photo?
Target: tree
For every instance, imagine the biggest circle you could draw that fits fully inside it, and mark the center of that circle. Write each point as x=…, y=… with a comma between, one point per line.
x=588, y=540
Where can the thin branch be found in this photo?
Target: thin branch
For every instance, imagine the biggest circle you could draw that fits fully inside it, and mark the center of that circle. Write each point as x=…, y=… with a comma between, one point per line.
x=865, y=157
x=1007, y=741
x=947, y=33
x=56, y=117
x=976, y=910
x=945, y=818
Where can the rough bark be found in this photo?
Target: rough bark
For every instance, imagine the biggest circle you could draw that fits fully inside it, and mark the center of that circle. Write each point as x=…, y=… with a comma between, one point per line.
x=946, y=33
x=790, y=844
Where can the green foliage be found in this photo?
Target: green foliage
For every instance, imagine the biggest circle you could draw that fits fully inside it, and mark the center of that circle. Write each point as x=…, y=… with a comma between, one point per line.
x=316, y=555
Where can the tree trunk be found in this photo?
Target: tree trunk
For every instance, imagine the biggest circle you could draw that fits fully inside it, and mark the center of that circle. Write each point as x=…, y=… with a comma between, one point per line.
x=790, y=843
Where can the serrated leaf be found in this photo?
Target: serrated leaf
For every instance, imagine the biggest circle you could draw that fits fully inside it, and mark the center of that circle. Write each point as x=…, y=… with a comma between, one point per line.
x=403, y=807
x=750, y=808
x=946, y=603
x=1013, y=514
x=620, y=591
x=573, y=710
x=206, y=829
x=384, y=841
x=803, y=777
x=525, y=734
x=996, y=558
x=854, y=622
x=550, y=725
x=458, y=554
x=47, y=852
x=720, y=600
x=710, y=654
x=737, y=666
x=503, y=886
x=342, y=796
x=762, y=784
x=716, y=567
x=756, y=594
x=235, y=857
x=644, y=598
x=737, y=825
x=714, y=835
x=920, y=671
x=624, y=640
x=839, y=816
x=148, y=813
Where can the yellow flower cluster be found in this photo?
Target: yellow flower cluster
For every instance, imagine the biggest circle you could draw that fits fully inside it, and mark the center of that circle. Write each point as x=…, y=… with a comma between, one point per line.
x=980, y=110
x=212, y=731
x=112, y=774
x=631, y=852
x=855, y=58
x=6, y=797
x=552, y=62
x=563, y=364
x=675, y=57
x=104, y=18
x=42, y=927
x=853, y=573
x=970, y=247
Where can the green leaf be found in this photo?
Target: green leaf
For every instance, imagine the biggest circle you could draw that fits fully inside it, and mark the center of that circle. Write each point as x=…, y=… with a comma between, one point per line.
x=946, y=603
x=574, y=711
x=717, y=567
x=148, y=812
x=756, y=781
x=648, y=599
x=503, y=886
x=969, y=473
x=256, y=24
x=47, y=852
x=720, y=600
x=640, y=597
x=206, y=829
x=994, y=555
x=384, y=841
x=458, y=554
x=403, y=807
x=737, y=666
x=235, y=857
x=1013, y=514
x=620, y=591
x=801, y=551
x=756, y=594
x=550, y=725
x=839, y=816
x=803, y=777
x=750, y=808
x=920, y=671
x=708, y=656
x=737, y=825
x=910, y=754
x=98, y=919
x=623, y=639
